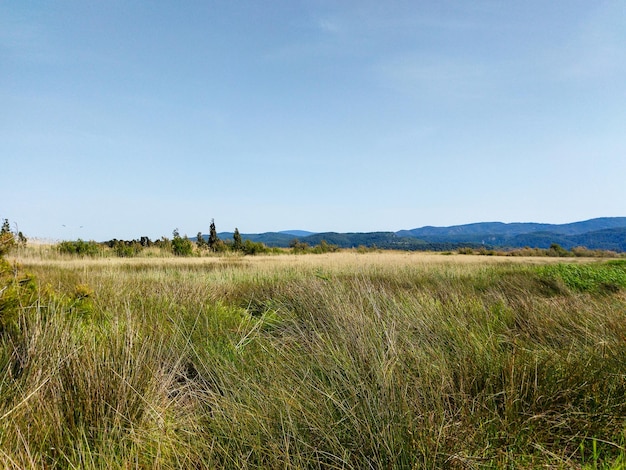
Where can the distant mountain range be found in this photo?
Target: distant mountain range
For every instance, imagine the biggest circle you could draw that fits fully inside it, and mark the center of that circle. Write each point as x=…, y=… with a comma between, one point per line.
x=297, y=233
x=606, y=233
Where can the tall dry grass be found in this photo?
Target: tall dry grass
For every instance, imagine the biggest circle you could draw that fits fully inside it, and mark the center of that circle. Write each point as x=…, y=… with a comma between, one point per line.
x=343, y=360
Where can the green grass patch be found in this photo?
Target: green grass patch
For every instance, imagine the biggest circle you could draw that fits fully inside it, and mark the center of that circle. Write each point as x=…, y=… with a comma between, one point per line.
x=595, y=277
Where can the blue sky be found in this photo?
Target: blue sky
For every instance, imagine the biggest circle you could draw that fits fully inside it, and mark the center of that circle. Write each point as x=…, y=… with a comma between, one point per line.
x=126, y=118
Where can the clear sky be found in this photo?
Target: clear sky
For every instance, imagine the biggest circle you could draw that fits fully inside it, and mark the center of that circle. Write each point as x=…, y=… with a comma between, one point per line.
x=127, y=118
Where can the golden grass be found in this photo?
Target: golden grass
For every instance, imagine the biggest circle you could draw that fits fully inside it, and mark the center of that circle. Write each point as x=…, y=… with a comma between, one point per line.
x=338, y=360
x=342, y=260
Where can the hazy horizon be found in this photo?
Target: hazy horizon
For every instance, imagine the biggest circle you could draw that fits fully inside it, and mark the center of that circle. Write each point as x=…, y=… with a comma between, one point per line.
x=128, y=119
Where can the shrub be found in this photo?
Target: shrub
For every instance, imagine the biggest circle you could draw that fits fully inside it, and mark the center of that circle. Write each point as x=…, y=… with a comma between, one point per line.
x=557, y=250
x=181, y=246
x=325, y=247
x=127, y=249
x=79, y=248
x=164, y=244
x=298, y=247
x=254, y=248
x=581, y=251
x=220, y=246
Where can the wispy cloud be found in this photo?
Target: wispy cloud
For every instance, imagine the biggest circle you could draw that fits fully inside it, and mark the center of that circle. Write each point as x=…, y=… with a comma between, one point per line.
x=329, y=25
x=599, y=51
x=440, y=76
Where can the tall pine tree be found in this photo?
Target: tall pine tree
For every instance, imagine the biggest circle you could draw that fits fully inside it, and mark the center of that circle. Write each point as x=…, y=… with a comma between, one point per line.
x=237, y=242
x=7, y=240
x=213, y=236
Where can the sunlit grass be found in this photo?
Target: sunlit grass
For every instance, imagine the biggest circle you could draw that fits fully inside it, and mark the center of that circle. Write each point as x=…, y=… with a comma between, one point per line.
x=342, y=360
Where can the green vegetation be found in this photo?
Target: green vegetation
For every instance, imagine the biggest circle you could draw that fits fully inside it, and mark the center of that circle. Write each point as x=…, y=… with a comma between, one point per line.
x=302, y=247
x=607, y=234
x=181, y=246
x=346, y=360
x=605, y=277
x=312, y=244
x=7, y=239
x=254, y=248
x=178, y=246
x=555, y=251
x=237, y=241
x=213, y=238
x=126, y=249
x=201, y=242
x=17, y=290
x=80, y=248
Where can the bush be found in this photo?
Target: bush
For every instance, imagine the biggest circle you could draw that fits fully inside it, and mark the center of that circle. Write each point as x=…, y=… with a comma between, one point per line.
x=164, y=244
x=557, y=250
x=220, y=246
x=79, y=248
x=581, y=251
x=254, y=248
x=181, y=246
x=127, y=249
x=325, y=247
x=299, y=247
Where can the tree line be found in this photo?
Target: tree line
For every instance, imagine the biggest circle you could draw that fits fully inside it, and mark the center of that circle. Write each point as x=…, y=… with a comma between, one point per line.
x=178, y=245
x=182, y=245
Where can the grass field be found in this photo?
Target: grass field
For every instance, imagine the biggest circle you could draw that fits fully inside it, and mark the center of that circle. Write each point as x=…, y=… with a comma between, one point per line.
x=342, y=360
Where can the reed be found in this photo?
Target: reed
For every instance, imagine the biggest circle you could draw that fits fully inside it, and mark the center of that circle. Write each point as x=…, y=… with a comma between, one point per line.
x=342, y=360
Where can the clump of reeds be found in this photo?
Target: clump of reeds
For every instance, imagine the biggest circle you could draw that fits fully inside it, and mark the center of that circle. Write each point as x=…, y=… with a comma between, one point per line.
x=360, y=361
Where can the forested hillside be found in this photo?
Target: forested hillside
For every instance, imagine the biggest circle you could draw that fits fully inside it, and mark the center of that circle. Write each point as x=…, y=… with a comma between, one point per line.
x=607, y=233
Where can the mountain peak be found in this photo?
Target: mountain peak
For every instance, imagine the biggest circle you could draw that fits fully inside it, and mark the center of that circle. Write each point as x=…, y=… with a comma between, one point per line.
x=297, y=233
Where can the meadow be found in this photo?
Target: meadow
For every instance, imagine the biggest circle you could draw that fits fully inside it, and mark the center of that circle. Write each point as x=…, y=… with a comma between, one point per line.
x=342, y=360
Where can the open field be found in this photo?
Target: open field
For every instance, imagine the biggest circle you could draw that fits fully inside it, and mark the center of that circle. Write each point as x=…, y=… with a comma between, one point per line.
x=341, y=360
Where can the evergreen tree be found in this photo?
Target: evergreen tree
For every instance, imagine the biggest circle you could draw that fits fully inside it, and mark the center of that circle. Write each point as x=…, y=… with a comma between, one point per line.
x=6, y=228
x=200, y=241
x=237, y=242
x=213, y=239
x=7, y=240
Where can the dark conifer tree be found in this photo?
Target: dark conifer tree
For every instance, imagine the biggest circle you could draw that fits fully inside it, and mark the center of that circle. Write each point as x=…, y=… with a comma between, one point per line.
x=7, y=240
x=237, y=242
x=6, y=227
x=200, y=241
x=213, y=236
